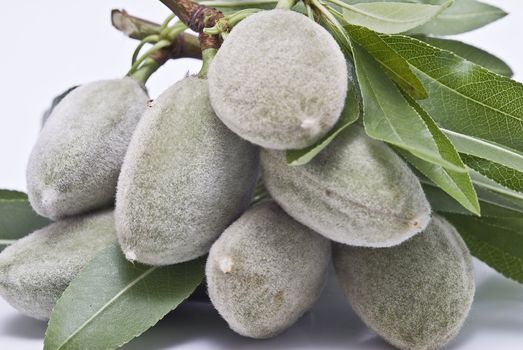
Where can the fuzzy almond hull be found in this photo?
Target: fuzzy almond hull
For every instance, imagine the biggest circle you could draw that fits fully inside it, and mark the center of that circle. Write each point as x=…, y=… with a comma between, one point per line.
x=265, y=271
x=415, y=295
x=35, y=271
x=357, y=191
x=185, y=178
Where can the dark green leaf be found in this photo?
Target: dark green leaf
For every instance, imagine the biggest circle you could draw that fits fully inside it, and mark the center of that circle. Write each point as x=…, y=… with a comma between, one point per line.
x=457, y=184
x=394, y=65
x=112, y=301
x=441, y=201
x=17, y=218
x=462, y=16
x=464, y=97
x=396, y=17
x=491, y=204
x=471, y=53
x=494, y=204
x=496, y=241
x=502, y=191
x=350, y=114
x=496, y=237
x=388, y=116
x=503, y=175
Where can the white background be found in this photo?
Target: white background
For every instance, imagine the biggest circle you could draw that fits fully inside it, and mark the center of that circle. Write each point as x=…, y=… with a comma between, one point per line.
x=50, y=45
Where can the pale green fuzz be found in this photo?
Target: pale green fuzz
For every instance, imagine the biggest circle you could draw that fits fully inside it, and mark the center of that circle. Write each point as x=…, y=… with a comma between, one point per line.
x=357, y=191
x=185, y=178
x=36, y=270
x=415, y=295
x=279, y=80
x=75, y=163
x=265, y=271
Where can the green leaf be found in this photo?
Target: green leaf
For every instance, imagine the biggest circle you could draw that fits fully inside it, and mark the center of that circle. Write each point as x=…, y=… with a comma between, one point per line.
x=452, y=183
x=350, y=114
x=390, y=18
x=498, y=163
x=17, y=218
x=496, y=237
x=441, y=201
x=491, y=204
x=489, y=150
x=260, y=192
x=496, y=241
x=471, y=53
x=457, y=184
x=396, y=67
x=503, y=175
x=462, y=16
x=230, y=6
x=352, y=2
x=427, y=2
x=464, y=97
x=112, y=301
x=500, y=191
x=495, y=204
x=387, y=116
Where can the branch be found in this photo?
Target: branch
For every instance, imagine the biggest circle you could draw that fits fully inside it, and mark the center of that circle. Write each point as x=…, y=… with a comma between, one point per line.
x=197, y=17
x=133, y=27
x=184, y=45
x=185, y=10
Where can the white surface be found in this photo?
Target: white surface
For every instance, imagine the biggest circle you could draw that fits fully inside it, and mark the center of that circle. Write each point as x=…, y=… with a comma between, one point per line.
x=495, y=322
x=51, y=45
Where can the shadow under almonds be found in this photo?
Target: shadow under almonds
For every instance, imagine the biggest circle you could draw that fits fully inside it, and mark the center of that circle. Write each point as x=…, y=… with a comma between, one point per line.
x=494, y=305
x=21, y=326
x=330, y=324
